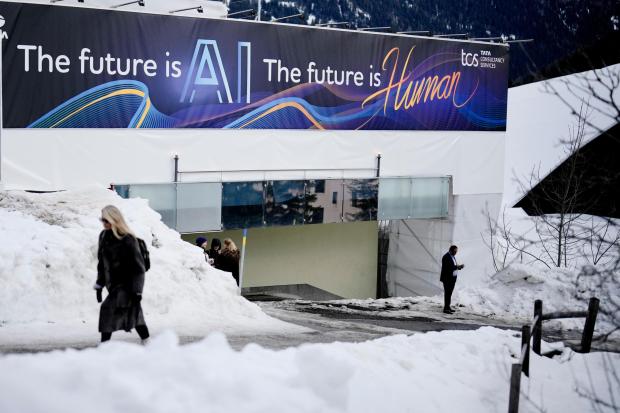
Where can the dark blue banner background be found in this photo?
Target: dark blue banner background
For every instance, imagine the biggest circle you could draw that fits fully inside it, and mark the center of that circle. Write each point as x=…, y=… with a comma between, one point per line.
x=86, y=68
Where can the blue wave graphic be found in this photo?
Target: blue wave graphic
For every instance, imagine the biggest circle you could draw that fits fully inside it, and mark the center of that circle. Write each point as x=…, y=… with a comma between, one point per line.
x=126, y=104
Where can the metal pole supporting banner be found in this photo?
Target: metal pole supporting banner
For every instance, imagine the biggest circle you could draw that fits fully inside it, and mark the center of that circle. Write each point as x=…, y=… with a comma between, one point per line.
x=176, y=168
x=2, y=34
x=241, y=264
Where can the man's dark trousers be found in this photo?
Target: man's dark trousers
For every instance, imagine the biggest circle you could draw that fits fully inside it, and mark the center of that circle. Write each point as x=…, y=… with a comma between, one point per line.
x=448, y=288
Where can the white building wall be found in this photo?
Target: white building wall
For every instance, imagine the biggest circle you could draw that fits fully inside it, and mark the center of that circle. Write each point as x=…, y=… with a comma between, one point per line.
x=50, y=159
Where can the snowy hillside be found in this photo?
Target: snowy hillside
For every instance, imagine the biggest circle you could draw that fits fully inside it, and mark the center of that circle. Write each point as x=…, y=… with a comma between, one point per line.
x=48, y=259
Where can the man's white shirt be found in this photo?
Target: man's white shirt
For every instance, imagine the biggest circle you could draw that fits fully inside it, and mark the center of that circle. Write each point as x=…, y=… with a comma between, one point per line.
x=455, y=272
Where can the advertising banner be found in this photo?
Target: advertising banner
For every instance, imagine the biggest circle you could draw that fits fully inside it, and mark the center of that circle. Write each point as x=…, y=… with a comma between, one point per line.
x=70, y=67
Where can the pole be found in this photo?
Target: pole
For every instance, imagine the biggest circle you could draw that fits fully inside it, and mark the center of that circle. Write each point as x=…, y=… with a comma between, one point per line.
x=537, y=333
x=1, y=104
x=515, y=389
x=241, y=264
x=258, y=10
x=378, y=165
x=525, y=341
x=176, y=168
x=588, y=329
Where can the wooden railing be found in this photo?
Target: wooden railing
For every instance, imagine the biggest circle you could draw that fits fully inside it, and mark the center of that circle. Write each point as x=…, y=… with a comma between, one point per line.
x=534, y=332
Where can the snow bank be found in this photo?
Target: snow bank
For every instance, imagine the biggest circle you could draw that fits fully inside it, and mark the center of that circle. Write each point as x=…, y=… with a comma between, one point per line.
x=512, y=292
x=434, y=372
x=48, y=258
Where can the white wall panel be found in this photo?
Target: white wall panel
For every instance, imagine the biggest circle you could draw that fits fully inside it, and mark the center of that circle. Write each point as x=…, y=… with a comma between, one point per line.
x=50, y=159
x=417, y=246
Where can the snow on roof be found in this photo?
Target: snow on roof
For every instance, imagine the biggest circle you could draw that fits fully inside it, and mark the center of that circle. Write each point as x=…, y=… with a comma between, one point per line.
x=538, y=120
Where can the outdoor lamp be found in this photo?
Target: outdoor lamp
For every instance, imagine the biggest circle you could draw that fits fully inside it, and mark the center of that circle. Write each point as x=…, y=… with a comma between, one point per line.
x=140, y=3
x=198, y=9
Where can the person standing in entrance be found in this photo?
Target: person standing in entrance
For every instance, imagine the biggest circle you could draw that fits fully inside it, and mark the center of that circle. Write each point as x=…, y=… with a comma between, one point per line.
x=449, y=273
x=120, y=269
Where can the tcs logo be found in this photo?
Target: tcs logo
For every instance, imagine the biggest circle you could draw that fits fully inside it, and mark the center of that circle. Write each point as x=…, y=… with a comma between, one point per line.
x=469, y=59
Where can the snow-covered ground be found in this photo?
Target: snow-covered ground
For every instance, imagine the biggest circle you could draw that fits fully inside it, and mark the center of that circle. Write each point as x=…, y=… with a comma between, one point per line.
x=48, y=259
x=508, y=298
x=433, y=372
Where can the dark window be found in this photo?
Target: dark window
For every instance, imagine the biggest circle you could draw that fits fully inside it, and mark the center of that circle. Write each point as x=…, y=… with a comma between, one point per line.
x=319, y=187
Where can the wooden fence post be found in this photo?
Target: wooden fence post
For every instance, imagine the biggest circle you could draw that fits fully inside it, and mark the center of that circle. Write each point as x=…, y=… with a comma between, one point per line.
x=588, y=329
x=525, y=340
x=515, y=389
x=537, y=332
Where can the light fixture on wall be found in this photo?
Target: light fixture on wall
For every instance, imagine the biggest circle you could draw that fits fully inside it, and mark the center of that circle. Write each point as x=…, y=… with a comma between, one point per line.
x=377, y=28
x=140, y=3
x=448, y=35
x=249, y=12
x=418, y=32
x=300, y=15
x=332, y=24
x=198, y=9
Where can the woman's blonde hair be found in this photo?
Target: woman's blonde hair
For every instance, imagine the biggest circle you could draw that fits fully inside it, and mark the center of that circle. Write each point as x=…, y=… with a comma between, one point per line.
x=114, y=216
x=230, y=245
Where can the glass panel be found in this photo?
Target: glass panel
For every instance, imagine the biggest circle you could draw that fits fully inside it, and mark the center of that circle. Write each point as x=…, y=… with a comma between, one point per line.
x=323, y=201
x=242, y=204
x=360, y=199
x=122, y=190
x=284, y=203
x=199, y=207
x=394, y=198
x=429, y=198
x=445, y=184
x=161, y=197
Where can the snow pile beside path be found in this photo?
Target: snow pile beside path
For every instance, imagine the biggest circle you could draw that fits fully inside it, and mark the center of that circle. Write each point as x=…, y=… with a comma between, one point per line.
x=511, y=294
x=435, y=372
x=48, y=259
x=513, y=291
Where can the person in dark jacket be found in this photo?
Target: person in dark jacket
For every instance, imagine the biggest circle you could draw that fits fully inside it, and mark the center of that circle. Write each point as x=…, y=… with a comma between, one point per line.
x=229, y=259
x=202, y=243
x=121, y=271
x=449, y=272
x=214, y=252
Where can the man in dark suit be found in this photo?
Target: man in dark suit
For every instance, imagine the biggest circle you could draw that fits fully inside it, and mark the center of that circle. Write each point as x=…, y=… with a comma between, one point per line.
x=449, y=272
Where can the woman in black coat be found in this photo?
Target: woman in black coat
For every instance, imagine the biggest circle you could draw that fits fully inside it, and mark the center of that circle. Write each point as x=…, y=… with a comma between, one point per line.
x=229, y=259
x=121, y=270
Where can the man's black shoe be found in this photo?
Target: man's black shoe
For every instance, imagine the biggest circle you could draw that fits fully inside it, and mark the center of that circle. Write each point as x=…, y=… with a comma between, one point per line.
x=448, y=311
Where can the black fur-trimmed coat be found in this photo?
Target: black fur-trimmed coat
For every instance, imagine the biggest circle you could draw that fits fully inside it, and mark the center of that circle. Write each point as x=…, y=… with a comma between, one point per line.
x=229, y=261
x=121, y=271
